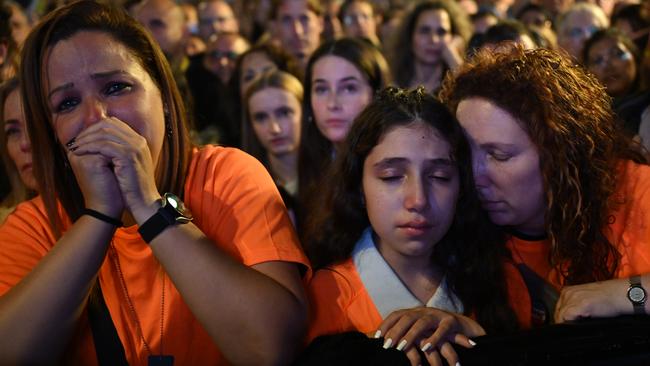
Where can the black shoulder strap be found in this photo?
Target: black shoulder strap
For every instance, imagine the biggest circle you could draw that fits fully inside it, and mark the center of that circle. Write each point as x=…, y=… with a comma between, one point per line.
x=108, y=346
x=543, y=296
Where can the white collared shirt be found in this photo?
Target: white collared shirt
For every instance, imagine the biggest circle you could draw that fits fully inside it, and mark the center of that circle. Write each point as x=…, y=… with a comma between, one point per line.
x=386, y=290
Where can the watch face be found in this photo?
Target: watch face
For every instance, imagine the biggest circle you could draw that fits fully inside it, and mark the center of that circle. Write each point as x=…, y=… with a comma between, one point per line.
x=183, y=213
x=636, y=294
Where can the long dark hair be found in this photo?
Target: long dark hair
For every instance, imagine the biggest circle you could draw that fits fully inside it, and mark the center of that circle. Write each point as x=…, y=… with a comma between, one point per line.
x=315, y=153
x=54, y=177
x=401, y=46
x=471, y=258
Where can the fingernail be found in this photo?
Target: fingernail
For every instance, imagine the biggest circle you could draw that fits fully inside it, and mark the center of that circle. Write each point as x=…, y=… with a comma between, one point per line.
x=377, y=334
x=426, y=347
x=71, y=142
x=457, y=363
x=388, y=343
x=472, y=343
x=401, y=345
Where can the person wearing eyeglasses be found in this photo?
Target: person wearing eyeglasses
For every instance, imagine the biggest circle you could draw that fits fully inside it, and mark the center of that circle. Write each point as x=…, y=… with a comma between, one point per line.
x=209, y=77
x=221, y=54
x=359, y=19
x=430, y=41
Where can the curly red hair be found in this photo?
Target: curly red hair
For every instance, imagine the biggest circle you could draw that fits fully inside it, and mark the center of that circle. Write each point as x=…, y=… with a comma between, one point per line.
x=568, y=116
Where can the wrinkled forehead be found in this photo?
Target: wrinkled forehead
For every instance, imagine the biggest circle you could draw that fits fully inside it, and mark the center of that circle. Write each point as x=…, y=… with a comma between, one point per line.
x=87, y=52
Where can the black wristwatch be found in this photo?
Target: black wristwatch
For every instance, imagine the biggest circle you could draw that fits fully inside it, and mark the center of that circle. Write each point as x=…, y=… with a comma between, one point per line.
x=637, y=295
x=171, y=212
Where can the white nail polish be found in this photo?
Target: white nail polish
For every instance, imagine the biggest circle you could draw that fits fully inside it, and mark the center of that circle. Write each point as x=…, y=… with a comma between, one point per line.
x=472, y=343
x=457, y=363
x=401, y=345
x=426, y=347
x=377, y=334
x=388, y=343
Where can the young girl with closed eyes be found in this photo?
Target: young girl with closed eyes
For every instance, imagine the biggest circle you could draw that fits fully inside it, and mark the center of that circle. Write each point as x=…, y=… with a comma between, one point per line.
x=394, y=256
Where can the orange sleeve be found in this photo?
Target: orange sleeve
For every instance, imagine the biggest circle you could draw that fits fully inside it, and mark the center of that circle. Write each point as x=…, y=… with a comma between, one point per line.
x=236, y=204
x=330, y=293
x=25, y=238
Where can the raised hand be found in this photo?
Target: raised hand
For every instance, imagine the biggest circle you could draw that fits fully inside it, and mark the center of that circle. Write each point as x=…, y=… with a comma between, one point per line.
x=96, y=179
x=452, y=52
x=129, y=157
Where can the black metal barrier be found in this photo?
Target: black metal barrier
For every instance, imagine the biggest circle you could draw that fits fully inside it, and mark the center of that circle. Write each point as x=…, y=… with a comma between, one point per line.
x=621, y=341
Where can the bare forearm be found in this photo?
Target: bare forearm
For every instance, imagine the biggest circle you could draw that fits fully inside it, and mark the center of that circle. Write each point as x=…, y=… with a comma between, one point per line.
x=252, y=318
x=40, y=312
x=598, y=299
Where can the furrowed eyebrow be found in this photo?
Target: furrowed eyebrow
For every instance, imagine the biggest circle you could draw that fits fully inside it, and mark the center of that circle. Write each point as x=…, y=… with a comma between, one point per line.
x=103, y=75
x=60, y=88
x=99, y=75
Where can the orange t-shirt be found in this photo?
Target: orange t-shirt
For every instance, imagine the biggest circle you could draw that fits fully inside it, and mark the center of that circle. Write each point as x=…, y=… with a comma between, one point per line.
x=234, y=202
x=629, y=232
x=339, y=301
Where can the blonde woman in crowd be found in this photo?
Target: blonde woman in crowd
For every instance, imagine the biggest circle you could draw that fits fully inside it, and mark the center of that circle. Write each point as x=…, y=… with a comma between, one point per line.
x=272, y=126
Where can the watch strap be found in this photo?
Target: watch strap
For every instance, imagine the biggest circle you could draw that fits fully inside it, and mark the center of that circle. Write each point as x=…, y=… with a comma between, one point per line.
x=155, y=225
